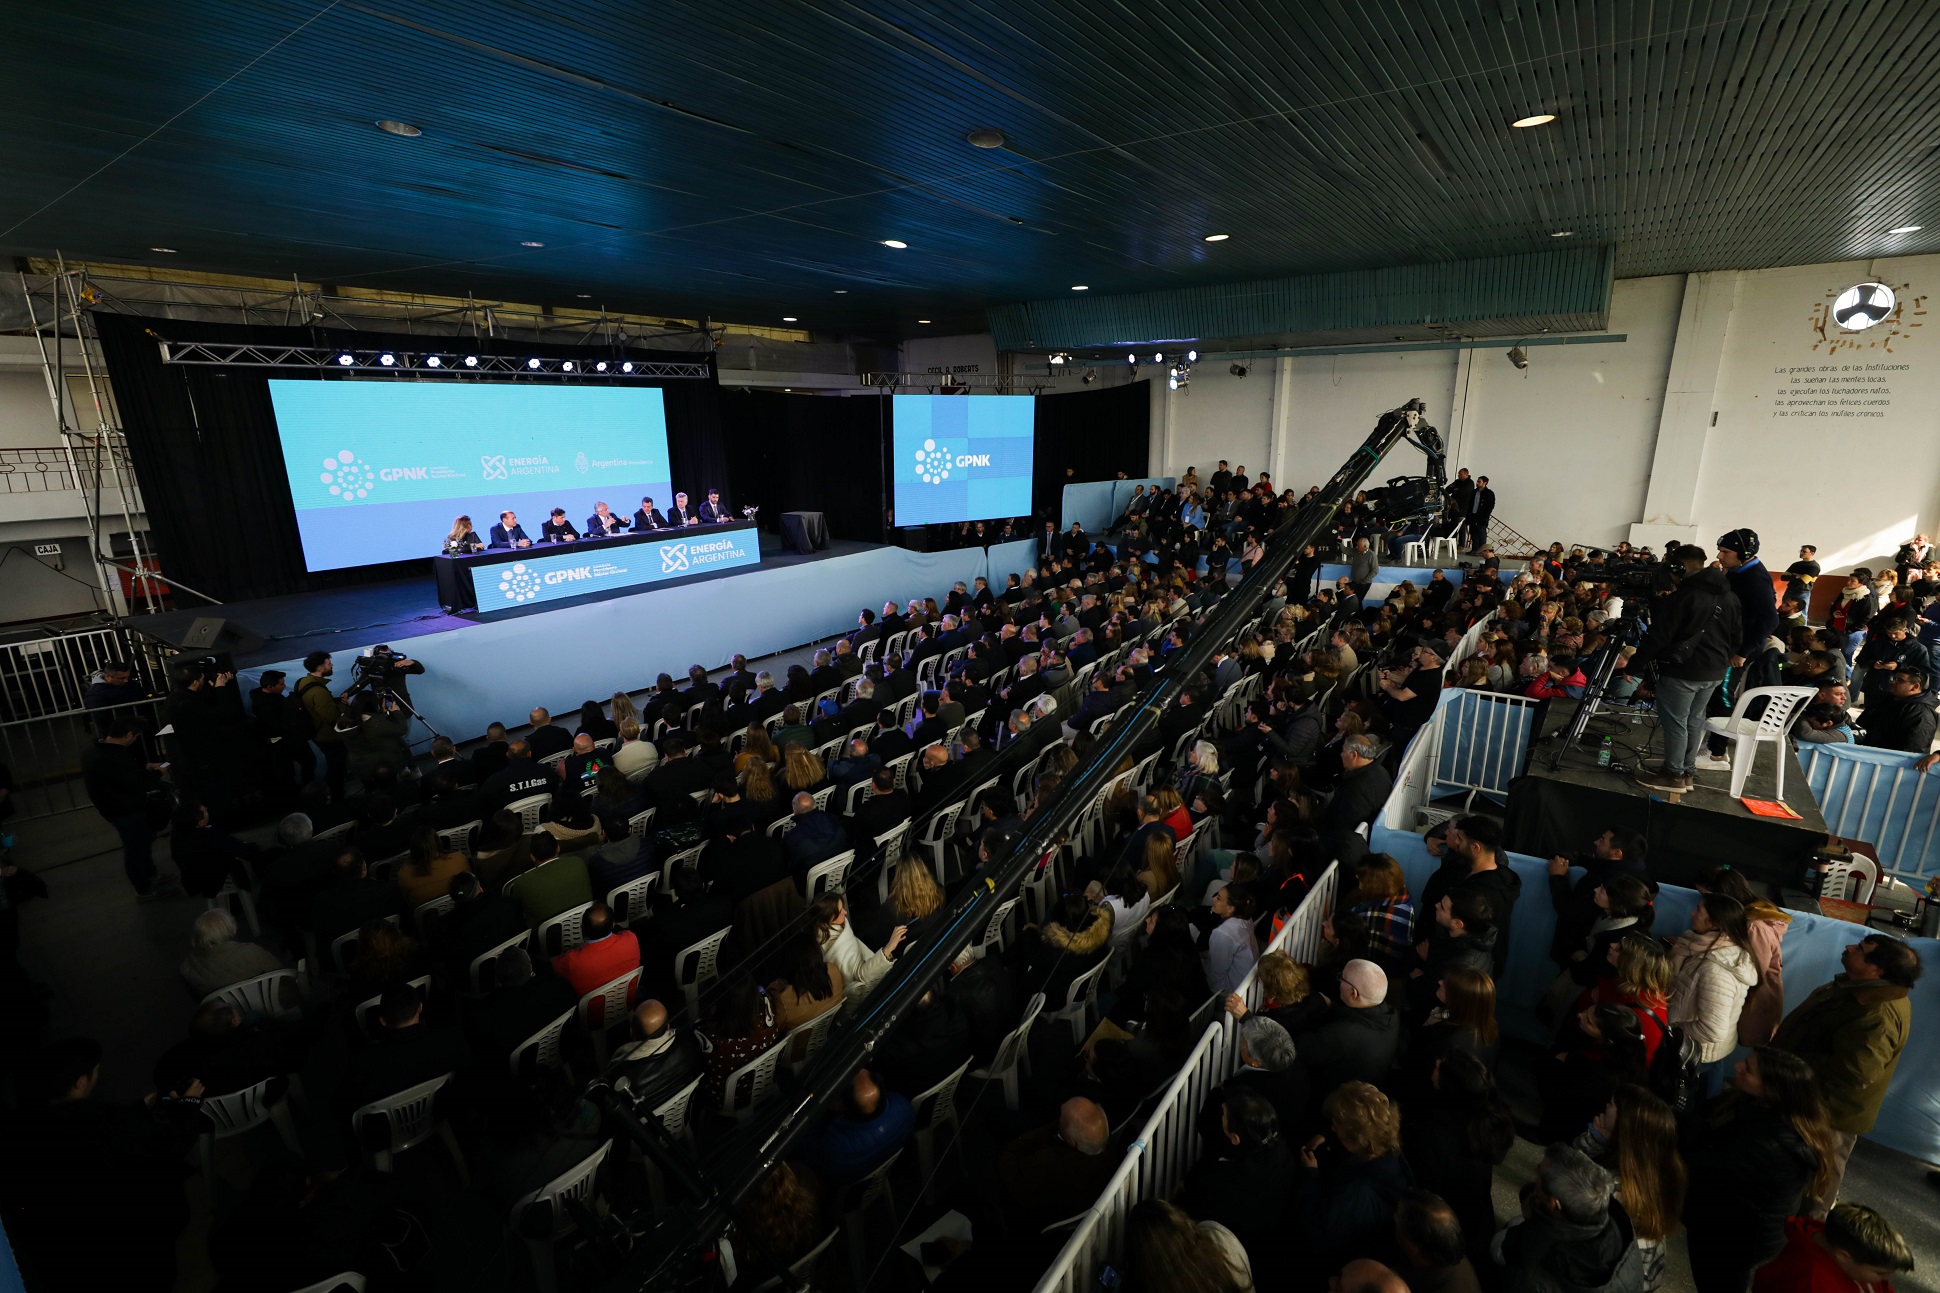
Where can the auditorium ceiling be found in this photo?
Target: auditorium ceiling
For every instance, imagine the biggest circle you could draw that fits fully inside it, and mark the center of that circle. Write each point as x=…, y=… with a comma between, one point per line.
x=749, y=162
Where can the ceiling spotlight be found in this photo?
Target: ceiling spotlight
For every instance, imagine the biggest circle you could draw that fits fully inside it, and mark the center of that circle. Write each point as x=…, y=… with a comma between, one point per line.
x=387, y=359
x=986, y=138
x=531, y=363
x=600, y=367
x=567, y=366
x=1132, y=360
x=1237, y=370
x=432, y=361
x=1192, y=356
x=1217, y=237
x=529, y=243
x=404, y=128
x=627, y=367
x=1081, y=287
x=1519, y=357
x=1539, y=119
x=897, y=243
x=789, y=318
x=585, y=296
x=1564, y=233
x=471, y=361
x=922, y=320
x=1060, y=359
x=1091, y=375
x=166, y=251
x=1158, y=358
x=346, y=360
x=1905, y=228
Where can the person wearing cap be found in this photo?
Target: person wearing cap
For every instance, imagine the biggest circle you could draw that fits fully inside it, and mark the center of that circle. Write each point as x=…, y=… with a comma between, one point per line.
x=1362, y=1033
x=1691, y=639
x=1408, y=698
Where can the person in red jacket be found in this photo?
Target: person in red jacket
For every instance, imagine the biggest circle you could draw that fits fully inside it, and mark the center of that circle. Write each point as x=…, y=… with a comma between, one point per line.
x=1563, y=679
x=605, y=956
x=1854, y=1250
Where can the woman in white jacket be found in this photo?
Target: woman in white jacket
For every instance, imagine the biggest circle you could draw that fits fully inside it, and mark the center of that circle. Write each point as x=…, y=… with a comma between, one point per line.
x=1714, y=972
x=861, y=968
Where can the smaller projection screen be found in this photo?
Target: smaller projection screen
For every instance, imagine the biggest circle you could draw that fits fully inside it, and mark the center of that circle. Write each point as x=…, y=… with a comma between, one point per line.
x=962, y=457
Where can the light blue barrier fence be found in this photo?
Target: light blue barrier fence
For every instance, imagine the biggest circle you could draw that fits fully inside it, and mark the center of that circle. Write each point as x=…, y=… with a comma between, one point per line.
x=1007, y=559
x=1095, y=504
x=497, y=670
x=1909, y=1121
x=1879, y=797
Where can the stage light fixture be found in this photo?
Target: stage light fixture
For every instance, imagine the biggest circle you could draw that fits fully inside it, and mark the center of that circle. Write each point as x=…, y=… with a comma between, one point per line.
x=1060, y=359
x=897, y=243
x=531, y=363
x=986, y=138
x=1132, y=360
x=471, y=361
x=166, y=251
x=1091, y=375
x=1237, y=370
x=432, y=361
x=346, y=360
x=789, y=318
x=1519, y=357
x=1192, y=356
x=841, y=291
x=1158, y=358
x=600, y=367
x=1081, y=287
x=567, y=366
x=387, y=359
x=1563, y=233
x=585, y=296
x=922, y=320
x=627, y=367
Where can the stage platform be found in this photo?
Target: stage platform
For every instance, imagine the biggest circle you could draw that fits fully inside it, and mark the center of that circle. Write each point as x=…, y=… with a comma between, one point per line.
x=1561, y=811
x=563, y=653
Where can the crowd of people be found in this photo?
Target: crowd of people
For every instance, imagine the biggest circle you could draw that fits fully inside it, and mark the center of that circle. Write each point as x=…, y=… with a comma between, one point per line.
x=1356, y=1143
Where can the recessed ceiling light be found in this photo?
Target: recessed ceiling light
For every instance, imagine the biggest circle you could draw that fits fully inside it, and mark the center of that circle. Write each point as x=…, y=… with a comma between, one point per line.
x=841, y=291
x=585, y=296
x=1539, y=119
x=1564, y=233
x=1217, y=237
x=1081, y=287
x=166, y=251
x=531, y=244
x=922, y=320
x=1905, y=228
x=897, y=243
x=986, y=139
x=403, y=128
x=789, y=318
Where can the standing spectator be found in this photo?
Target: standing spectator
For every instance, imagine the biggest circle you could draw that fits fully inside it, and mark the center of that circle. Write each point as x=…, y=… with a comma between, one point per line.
x=1166, y=1251
x=1574, y=1236
x=1715, y=971
x=1618, y=851
x=1362, y=1033
x=1854, y=1250
x=118, y=779
x=1363, y=568
x=1766, y=923
x=1481, y=506
x=1850, y=1032
x=1636, y=1136
x=1347, y=1209
x=1691, y=641
x=1243, y=1184
x=1380, y=898
x=1767, y=1146
x=1853, y=611
x=1456, y=1133
x=1474, y=861
x=1431, y=1240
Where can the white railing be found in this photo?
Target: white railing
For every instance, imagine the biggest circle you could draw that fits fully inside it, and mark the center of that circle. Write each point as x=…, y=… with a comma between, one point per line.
x=1465, y=648
x=1879, y=797
x=1167, y=1145
x=1482, y=741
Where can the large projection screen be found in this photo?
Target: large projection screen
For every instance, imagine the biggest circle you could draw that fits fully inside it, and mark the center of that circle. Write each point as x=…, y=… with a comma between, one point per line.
x=962, y=457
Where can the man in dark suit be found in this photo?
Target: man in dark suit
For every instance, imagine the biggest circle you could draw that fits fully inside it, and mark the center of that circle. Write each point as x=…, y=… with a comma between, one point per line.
x=648, y=517
x=681, y=513
x=522, y=775
x=815, y=837
x=888, y=741
x=847, y=664
x=824, y=676
x=888, y=807
x=674, y=782
x=1481, y=507
x=744, y=861
x=477, y=923
x=407, y=1051
x=866, y=630
x=1363, y=788
x=767, y=701
x=547, y=737
x=737, y=682
x=857, y=763
x=694, y=914
x=929, y=727
x=859, y=711
x=897, y=682
x=508, y=533
x=351, y=901
x=1099, y=701
x=714, y=511
x=604, y=523
x=489, y=757
x=1460, y=492
x=699, y=691
x=523, y=1004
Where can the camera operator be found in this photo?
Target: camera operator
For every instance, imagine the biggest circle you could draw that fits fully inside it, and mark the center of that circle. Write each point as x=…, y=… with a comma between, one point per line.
x=375, y=728
x=1691, y=639
x=384, y=670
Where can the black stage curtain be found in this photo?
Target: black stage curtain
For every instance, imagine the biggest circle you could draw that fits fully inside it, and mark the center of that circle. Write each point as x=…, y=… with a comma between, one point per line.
x=205, y=450
x=809, y=453
x=1093, y=434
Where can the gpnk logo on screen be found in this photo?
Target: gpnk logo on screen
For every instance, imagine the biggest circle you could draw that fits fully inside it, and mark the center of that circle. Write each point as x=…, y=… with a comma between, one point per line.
x=935, y=462
x=351, y=479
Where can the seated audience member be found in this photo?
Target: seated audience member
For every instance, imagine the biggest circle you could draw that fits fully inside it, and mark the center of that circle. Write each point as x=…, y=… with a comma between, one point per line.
x=217, y=958
x=695, y=913
x=503, y=851
x=573, y=822
x=740, y=1029
x=428, y=872
x=1358, y=1041
x=605, y=955
x=1345, y=1208
x=225, y=1054
x=556, y=882
x=869, y=1125
x=1573, y=1234
x=1854, y=1250
x=1075, y=936
x=522, y=1005
x=809, y=988
x=815, y=837
x=1057, y=1171
x=351, y=902
x=547, y=738
x=1433, y=1245
x=206, y=857
x=659, y=1058
x=836, y=936
x=981, y=990
x=913, y=895
x=1244, y=1182
x=636, y=756
x=385, y=954
x=783, y=1218
x=476, y=923
x=1121, y=1072
x=407, y=1051
x=1165, y=1249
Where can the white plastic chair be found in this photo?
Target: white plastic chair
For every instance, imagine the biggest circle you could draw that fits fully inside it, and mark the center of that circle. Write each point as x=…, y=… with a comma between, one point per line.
x=530, y=810
x=1079, y=1000
x=348, y=1282
x=935, y=1108
x=996, y=933
x=803, y=1266
x=855, y=1204
x=243, y=902
x=803, y=1040
x=671, y=867
x=458, y=839
x=241, y=1111
x=1013, y=1052
x=542, y=1049
x=673, y=1117
x=633, y=900
x=756, y=1079
x=1769, y=728
x=1851, y=879
x=614, y=997
x=936, y=839
x=436, y=907
x=579, y=1183
x=411, y=1119
x=364, y=1009
x=489, y=958
x=705, y=966
x=640, y=823
x=569, y=928
x=829, y=874
x=264, y=996
x=554, y=760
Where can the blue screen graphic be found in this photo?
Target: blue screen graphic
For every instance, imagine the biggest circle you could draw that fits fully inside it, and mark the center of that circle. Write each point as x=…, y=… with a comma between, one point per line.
x=963, y=457
x=529, y=577
x=379, y=469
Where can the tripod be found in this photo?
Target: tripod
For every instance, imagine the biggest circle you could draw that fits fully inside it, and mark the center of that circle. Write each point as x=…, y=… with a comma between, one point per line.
x=1595, y=693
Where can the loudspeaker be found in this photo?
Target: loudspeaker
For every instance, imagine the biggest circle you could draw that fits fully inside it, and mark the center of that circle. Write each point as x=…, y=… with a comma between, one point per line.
x=212, y=633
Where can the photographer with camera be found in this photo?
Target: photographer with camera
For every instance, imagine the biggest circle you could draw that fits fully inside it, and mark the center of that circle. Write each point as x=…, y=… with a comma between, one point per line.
x=1691, y=641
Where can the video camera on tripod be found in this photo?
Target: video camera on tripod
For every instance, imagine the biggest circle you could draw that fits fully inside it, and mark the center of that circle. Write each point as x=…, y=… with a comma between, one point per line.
x=383, y=671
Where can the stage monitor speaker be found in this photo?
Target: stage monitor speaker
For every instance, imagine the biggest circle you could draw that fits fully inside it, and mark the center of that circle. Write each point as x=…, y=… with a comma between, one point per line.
x=212, y=633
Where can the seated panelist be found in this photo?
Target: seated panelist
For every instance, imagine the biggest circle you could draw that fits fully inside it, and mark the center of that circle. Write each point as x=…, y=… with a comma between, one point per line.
x=714, y=511
x=557, y=528
x=463, y=538
x=603, y=523
x=508, y=533
x=649, y=517
x=680, y=513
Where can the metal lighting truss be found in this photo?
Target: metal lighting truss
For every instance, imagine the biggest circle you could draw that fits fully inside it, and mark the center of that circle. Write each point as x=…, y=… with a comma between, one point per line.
x=454, y=362
x=935, y=381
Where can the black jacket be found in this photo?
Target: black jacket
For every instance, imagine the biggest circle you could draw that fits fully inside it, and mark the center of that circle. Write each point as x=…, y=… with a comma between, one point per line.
x=118, y=779
x=1751, y=584
x=1244, y=1191
x=1576, y=909
x=1354, y=1045
x=1899, y=722
x=1696, y=632
x=1546, y=1254
x=1358, y=796
x=1747, y=1176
